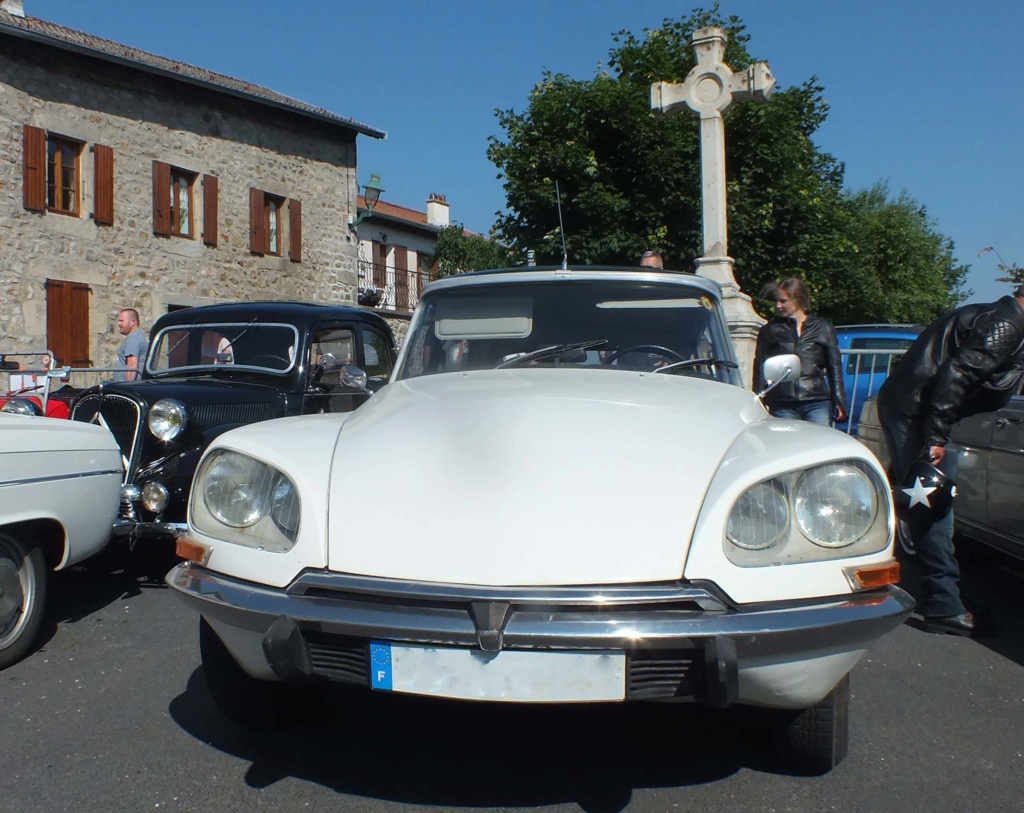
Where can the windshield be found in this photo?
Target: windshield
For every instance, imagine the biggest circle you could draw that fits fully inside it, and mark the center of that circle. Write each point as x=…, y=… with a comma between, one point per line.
x=596, y=324
x=248, y=345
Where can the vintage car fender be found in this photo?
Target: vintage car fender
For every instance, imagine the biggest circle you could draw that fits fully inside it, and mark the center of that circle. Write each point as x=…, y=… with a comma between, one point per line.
x=66, y=472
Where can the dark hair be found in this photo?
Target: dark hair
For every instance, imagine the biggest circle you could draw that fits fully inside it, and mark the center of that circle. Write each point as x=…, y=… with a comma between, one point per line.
x=793, y=287
x=131, y=311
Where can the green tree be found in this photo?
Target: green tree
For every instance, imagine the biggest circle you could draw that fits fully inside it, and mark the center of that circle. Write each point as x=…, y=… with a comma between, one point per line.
x=458, y=251
x=630, y=181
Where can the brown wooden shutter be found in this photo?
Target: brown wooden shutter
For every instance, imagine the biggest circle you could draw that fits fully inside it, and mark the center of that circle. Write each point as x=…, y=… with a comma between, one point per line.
x=295, y=231
x=161, y=198
x=258, y=237
x=401, y=278
x=210, y=184
x=67, y=322
x=103, y=203
x=34, y=179
x=380, y=265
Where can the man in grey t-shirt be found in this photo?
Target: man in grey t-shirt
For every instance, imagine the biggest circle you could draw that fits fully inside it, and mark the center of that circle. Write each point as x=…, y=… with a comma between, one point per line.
x=131, y=355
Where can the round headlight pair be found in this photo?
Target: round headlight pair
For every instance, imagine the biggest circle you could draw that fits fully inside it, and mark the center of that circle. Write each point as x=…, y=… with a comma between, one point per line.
x=833, y=505
x=167, y=419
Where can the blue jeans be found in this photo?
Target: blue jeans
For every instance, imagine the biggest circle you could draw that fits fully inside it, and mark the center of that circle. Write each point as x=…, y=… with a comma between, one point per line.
x=814, y=411
x=935, y=557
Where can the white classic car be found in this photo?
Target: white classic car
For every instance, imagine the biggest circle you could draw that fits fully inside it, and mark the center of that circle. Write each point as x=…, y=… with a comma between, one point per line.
x=583, y=504
x=59, y=487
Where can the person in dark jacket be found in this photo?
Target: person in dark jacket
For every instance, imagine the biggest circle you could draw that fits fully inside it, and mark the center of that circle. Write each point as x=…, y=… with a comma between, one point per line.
x=818, y=394
x=969, y=361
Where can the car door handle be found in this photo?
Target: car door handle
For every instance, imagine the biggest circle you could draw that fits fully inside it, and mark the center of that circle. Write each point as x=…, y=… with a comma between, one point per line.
x=1001, y=422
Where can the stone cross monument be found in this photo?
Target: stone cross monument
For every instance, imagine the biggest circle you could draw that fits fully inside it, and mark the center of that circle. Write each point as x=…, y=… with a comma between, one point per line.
x=709, y=90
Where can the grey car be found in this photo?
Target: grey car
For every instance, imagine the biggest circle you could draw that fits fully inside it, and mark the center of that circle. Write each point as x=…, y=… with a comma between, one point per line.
x=989, y=474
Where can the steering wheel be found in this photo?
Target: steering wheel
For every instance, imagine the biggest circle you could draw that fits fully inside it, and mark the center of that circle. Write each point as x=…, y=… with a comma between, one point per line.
x=275, y=362
x=645, y=348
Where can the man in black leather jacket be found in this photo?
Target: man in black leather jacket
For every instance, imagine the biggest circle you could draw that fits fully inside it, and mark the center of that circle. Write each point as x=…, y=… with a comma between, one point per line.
x=966, y=362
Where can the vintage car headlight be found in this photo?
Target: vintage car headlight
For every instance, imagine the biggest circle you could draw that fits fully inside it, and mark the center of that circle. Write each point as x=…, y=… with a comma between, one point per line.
x=830, y=511
x=21, y=406
x=167, y=419
x=835, y=505
x=243, y=500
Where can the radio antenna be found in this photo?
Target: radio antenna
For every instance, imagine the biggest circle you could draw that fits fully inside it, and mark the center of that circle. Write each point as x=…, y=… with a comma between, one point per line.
x=561, y=229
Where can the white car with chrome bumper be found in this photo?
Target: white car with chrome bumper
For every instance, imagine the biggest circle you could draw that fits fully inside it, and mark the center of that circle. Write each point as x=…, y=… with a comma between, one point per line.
x=580, y=503
x=59, y=483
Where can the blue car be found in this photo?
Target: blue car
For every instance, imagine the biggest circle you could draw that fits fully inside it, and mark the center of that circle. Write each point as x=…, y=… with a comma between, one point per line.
x=868, y=352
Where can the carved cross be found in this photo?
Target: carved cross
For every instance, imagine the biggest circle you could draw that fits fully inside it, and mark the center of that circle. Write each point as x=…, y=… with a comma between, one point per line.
x=709, y=90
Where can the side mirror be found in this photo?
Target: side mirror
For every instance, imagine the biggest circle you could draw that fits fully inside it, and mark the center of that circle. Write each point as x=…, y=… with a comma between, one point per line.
x=354, y=378
x=777, y=369
x=327, y=362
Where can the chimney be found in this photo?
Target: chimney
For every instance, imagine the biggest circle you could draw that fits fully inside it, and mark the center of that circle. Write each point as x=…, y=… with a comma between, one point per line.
x=437, y=211
x=13, y=7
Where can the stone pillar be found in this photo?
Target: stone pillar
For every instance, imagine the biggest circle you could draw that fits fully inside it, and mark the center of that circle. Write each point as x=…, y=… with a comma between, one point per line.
x=709, y=90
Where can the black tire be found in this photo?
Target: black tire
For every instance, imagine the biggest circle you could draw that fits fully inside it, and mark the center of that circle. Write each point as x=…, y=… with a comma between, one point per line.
x=814, y=740
x=22, y=596
x=249, y=701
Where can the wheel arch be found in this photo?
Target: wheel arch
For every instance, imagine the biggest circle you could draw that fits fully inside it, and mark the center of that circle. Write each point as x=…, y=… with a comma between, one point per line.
x=46, y=533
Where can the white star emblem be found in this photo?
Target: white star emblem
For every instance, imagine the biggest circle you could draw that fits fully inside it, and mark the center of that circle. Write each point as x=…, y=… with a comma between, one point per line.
x=919, y=494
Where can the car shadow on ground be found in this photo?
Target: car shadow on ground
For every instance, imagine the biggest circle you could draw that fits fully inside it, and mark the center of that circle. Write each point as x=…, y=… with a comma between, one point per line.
x=991, y=583
x=114, y=574
x=414, y=750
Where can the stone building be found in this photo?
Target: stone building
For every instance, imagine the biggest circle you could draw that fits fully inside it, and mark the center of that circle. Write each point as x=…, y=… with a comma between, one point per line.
x=131, y=180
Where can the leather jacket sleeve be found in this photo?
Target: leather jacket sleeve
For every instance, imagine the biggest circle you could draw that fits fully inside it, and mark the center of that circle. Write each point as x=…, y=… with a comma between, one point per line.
x=758, y=377
x=837, y=386
x=985, y=350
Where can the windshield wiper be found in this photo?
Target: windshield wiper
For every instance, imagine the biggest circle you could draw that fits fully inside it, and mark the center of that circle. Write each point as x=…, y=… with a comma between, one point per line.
x=708, y=361
x=547, y=352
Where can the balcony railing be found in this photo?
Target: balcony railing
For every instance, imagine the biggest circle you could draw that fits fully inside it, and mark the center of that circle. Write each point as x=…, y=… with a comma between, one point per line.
x=397, y=289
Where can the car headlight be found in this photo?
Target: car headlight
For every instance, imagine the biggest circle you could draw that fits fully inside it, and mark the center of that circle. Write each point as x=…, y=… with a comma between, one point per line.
x=21, y=406
x=167, y=419
x=835, y=505
x=835, y=510
x=243, y=500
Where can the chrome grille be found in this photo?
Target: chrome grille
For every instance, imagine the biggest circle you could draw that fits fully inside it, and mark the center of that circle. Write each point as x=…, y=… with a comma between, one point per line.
x=119, y=414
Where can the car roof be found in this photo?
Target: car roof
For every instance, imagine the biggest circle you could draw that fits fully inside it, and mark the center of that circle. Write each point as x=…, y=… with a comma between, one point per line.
x=882, y=327
x=299, y=313
x=579, y=272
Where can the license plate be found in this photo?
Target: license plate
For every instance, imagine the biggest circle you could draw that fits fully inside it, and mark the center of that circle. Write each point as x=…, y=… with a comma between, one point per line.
x=514, y=676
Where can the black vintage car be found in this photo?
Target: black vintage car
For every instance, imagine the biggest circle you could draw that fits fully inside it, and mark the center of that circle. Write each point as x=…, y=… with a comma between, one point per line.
x=213, y=368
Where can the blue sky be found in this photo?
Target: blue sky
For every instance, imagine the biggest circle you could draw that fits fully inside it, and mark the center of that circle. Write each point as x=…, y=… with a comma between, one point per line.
x=925, y=95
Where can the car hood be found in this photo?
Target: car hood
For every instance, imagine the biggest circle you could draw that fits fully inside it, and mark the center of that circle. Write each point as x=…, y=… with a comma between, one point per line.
x=196, y=390
x=544, y=477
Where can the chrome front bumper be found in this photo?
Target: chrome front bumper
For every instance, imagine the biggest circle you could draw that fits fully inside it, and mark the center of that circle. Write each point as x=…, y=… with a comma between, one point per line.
x=324, y=618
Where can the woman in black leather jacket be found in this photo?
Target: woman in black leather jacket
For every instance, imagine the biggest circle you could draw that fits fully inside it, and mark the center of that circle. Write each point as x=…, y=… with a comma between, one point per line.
x=818, y=394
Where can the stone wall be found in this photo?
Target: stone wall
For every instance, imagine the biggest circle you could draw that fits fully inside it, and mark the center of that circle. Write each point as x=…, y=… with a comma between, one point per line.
x=146, y=118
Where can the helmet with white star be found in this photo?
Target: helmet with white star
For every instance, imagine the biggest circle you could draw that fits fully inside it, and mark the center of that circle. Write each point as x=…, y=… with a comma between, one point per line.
x=924, y=494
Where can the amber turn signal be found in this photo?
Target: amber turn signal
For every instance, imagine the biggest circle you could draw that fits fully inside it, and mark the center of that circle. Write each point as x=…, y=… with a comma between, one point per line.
x=871, y=576
x=191, y=550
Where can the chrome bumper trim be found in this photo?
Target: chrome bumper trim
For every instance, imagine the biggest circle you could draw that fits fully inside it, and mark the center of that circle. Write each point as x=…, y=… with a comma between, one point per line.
x=126, y=527
x=817, y=626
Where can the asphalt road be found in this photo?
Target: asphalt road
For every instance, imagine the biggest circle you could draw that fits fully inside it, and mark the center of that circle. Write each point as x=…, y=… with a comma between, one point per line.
x=112, y=713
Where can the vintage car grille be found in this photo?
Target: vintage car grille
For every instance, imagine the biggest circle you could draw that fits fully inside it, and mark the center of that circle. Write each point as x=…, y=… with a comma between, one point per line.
x=120, y=415
x=217, y=414
x=650, y=675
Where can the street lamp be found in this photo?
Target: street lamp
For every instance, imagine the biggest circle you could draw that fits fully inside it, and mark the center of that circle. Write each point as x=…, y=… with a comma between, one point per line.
x=371, y=194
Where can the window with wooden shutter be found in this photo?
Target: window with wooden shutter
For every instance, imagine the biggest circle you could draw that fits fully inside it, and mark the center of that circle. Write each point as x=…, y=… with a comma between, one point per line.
x=210, y=184
x=295, y=231
x=67, y=322
x=63, y=157
x=161, y=199
x=380, y=265
x=34, y=174
x=103, y=203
